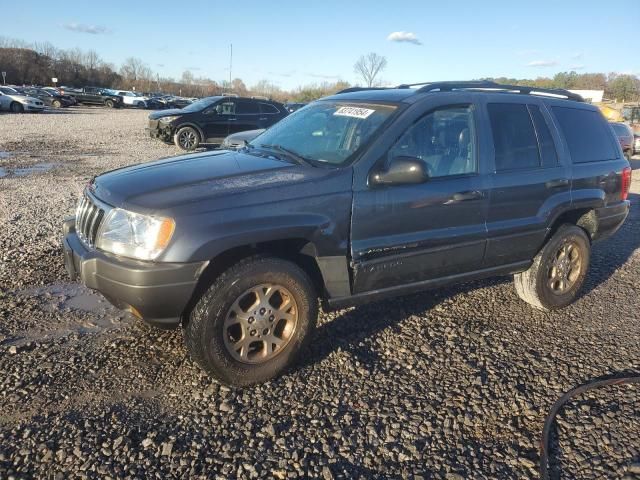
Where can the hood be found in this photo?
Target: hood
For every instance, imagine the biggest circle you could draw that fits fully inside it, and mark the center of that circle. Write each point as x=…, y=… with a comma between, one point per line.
x=166, y=185
x=24, y=98
x=166, y=113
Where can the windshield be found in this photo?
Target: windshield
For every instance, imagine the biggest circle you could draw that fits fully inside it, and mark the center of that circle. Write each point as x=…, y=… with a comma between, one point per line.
x=200, y=104
x=8, y=90
x=326, y=131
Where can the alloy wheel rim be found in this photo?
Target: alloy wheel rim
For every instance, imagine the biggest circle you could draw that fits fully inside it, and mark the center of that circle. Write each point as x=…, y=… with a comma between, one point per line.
x=260, y=323
x=187, y=139
x=565, y=268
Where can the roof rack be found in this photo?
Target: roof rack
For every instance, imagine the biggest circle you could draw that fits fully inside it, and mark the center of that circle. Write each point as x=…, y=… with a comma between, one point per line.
x=359, y=89
x=489, y=85
x=234, y=95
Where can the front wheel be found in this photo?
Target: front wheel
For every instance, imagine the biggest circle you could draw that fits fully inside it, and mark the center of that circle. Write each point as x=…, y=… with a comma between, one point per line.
x=17, y=107
x=558, y=271
x=187, y=138
x=253, y=321
x=57, y=103
x=110, y=103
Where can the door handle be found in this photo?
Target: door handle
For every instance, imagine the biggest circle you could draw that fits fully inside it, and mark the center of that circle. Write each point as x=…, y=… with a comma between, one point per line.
x=264, y=118
x=232, y=119
x=558, y=182
x=466, y=196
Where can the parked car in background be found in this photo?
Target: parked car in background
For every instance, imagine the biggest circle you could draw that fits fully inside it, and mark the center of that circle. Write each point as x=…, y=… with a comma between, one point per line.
x=57, y=91
x=94, y=96
x=17, y=102
x=211, y=119
x=240, y=139
x=636, y=144
x=625, y=137
x=292, y=107
x=366, y=194
x=49, y=98
x=131, y=99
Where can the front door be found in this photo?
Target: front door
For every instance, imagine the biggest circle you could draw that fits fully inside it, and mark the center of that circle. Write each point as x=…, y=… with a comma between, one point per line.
x=403, y=234
x=216, y=119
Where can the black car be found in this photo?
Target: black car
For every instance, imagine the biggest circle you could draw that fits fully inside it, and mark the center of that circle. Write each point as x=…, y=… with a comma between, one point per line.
x=94, y=96
x=293, y=106
x=49, y=98
x=211, y=119
x=359, y=196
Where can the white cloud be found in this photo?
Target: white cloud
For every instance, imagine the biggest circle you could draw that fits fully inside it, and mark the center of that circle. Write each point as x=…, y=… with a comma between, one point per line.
x=404, y=37
x=542, y=63
x=576, y=67
x=83, y=28
x=577, y=56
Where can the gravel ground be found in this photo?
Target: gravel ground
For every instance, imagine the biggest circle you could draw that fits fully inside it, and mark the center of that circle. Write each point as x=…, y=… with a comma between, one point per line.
x=454, y=383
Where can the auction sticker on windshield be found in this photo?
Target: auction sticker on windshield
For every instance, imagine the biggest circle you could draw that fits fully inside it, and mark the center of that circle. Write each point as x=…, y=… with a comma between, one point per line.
x=355, y=112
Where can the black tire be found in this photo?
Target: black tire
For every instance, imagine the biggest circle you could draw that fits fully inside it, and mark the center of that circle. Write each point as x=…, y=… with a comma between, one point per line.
x=140, y=105
x=56, y=104
x=187, y=138
x=206, y=335
x=17, y=107
x=537, y=285
x=109, y=103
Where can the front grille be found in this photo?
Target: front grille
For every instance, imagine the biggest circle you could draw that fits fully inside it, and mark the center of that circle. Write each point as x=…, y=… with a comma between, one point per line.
x=88, y=219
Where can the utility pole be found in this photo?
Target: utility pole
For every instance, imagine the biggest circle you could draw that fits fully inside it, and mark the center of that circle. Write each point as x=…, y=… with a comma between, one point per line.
x=230, y=64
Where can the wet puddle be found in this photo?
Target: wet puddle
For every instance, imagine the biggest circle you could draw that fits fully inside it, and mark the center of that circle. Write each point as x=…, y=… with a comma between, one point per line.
x=24, y=171
x=69, y=297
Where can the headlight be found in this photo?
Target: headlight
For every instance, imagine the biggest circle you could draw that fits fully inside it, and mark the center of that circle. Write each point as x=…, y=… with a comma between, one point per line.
x=169, y=119
x=134, y=235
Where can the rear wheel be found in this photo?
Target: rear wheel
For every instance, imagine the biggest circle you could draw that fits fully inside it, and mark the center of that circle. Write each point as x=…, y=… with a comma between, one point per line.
x=109, y=103
x=187, y=138
x=17, y=107
x=253, y=321
x=558, y=271
x=57, y=103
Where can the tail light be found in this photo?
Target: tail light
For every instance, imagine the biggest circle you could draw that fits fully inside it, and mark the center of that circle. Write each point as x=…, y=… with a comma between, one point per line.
x=626, y=183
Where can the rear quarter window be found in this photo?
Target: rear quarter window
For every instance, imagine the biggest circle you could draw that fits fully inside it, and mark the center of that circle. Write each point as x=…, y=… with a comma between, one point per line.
x=588, y=136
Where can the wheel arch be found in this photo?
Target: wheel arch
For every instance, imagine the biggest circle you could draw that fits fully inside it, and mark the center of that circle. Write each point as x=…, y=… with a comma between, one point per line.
x=177, y=128
x=584, y=217
x=299, y=251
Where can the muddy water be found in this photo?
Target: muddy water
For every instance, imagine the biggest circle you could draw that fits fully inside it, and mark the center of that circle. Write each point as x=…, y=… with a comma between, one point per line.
x=59, y=298
x=24, y=171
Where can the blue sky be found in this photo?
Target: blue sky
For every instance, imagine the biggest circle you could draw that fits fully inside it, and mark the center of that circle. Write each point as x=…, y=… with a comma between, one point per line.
x=297, y=42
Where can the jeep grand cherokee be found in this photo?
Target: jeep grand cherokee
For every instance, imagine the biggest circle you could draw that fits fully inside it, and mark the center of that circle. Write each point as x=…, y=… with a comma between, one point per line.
x=362, y=195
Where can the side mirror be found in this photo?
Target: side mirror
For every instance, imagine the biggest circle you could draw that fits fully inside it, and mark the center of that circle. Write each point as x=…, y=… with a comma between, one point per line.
x=402, y=170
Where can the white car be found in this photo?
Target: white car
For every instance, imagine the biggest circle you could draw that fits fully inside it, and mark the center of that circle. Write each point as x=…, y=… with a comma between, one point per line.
x=132, y=99
x=16, y=102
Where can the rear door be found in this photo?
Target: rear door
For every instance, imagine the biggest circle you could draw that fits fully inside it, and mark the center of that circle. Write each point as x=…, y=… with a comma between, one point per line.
x=402, y=234
x=529, y=183
x=247, y=116
x=269, y=115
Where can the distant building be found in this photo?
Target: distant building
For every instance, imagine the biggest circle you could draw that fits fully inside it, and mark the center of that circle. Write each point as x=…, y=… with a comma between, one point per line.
x=591, y=96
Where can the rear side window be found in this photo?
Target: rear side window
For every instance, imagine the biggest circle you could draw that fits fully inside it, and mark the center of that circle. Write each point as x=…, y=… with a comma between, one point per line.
x=621, y=129
x=268, y=108
x=587, y=134
x=547, y=147
x=247, y=108
x=513, y=137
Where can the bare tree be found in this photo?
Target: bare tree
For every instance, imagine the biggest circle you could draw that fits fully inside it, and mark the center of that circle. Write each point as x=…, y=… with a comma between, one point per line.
x=369, y=66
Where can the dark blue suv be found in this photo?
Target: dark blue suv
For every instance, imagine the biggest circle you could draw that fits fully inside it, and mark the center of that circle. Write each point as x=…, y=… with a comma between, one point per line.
x=359, y=196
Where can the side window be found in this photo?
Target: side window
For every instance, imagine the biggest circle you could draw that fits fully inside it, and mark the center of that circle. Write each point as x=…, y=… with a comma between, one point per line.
x=545, y=140
x=247, y=108
x=226, y=108
x=514, y=138
x=444, y=140
x=588, y=136
x=269, y=109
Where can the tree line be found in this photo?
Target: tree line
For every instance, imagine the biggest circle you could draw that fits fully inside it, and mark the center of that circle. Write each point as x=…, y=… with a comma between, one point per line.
x=37, y=63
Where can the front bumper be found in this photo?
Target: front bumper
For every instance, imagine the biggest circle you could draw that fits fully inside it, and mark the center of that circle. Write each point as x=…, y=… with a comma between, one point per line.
x=156, y=292
x=155, y=129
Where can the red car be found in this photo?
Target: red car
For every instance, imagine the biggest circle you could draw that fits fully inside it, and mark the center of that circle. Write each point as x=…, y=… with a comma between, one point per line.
x=625, y=137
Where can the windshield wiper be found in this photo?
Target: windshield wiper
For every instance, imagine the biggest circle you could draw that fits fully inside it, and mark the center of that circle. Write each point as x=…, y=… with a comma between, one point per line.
x=290, y=153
